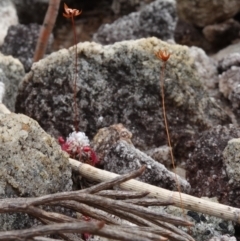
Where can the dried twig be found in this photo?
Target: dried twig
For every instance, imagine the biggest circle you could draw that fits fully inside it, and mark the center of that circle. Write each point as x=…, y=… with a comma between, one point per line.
x=45, y=239
x=134, y=209
x=174, y=229
x=129, y=234
x=81, y=201
x=90, y=211
x=164, y=232
x=148, y=202
x=189, y=202
x=46, y=29
x=77, y=227
x=123, y=194
x=114, y=181
x=26, y=205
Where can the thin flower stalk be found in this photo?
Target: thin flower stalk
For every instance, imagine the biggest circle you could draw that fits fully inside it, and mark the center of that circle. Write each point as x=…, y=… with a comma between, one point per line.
x=71, y=13
x=164, y=55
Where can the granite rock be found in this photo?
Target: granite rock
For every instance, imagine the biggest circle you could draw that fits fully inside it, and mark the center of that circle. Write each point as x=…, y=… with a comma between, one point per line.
x=124, y=7
x=222, y=34
x=31, y=164
x=120, y=84
x=11, y=72
x=223, y=238
x=228, y=60
x=229, y=86
x=3, y=79
x=206, y=170
x=156, y=19
x=21, y=41
x=27, y=9
x=162, y=155
x=117, y=154
x=231, y=163
x=227, y=51
x=207, y=69
x=229, y=83
x=187, y=34
x=8, y=17
x=205, y=12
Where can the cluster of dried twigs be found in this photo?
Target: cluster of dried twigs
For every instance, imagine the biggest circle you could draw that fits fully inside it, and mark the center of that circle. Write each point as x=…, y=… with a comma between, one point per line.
x=109, y=207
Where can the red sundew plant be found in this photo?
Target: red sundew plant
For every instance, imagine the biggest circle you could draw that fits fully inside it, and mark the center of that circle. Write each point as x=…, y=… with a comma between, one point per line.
x=77, y=144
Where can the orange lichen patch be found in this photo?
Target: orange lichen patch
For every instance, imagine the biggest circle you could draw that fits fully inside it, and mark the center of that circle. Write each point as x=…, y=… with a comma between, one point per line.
x=70, y=12
x=163, y=55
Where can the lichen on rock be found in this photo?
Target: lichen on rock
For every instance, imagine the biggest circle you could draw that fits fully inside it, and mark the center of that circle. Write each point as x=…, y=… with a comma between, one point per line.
x=31, y=164
x=231, y=156
x=120, y=84
x=205, y=12
x=207, y=167
x=118, y=154
x=11, y=73
x=157, y=19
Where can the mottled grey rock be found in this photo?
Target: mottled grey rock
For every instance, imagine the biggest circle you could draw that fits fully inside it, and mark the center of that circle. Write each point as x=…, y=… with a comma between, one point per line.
x=206, y=170
x=123, y=7
x=27, y=9
x=8, y=17
x=229, y=86
x=117, y=154
x=231, y=156
x=3, y=79
x=187, y=34
x=21, y=41
x=31, y=164
x=11, y=73
x=222, y=34
x=206, y=68
x=223, y=238
x=231, y=49
x=161, y=154
x=229, y=83
x=120, y=84
x=204, y=12
x=33, y=11
x=124, y=157
x=156, y=19
x=228, y=60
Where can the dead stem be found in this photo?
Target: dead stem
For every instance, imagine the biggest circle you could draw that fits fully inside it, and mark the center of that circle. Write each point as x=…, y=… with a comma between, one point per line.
x=115, y=181
x=78, y=227
x=46, y=29
x=119, y=194
x=97, y=207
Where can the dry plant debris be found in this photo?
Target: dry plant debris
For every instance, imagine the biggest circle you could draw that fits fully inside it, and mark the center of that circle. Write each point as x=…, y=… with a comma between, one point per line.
x=132, y=221
x=187, y=201
x=46, y=30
